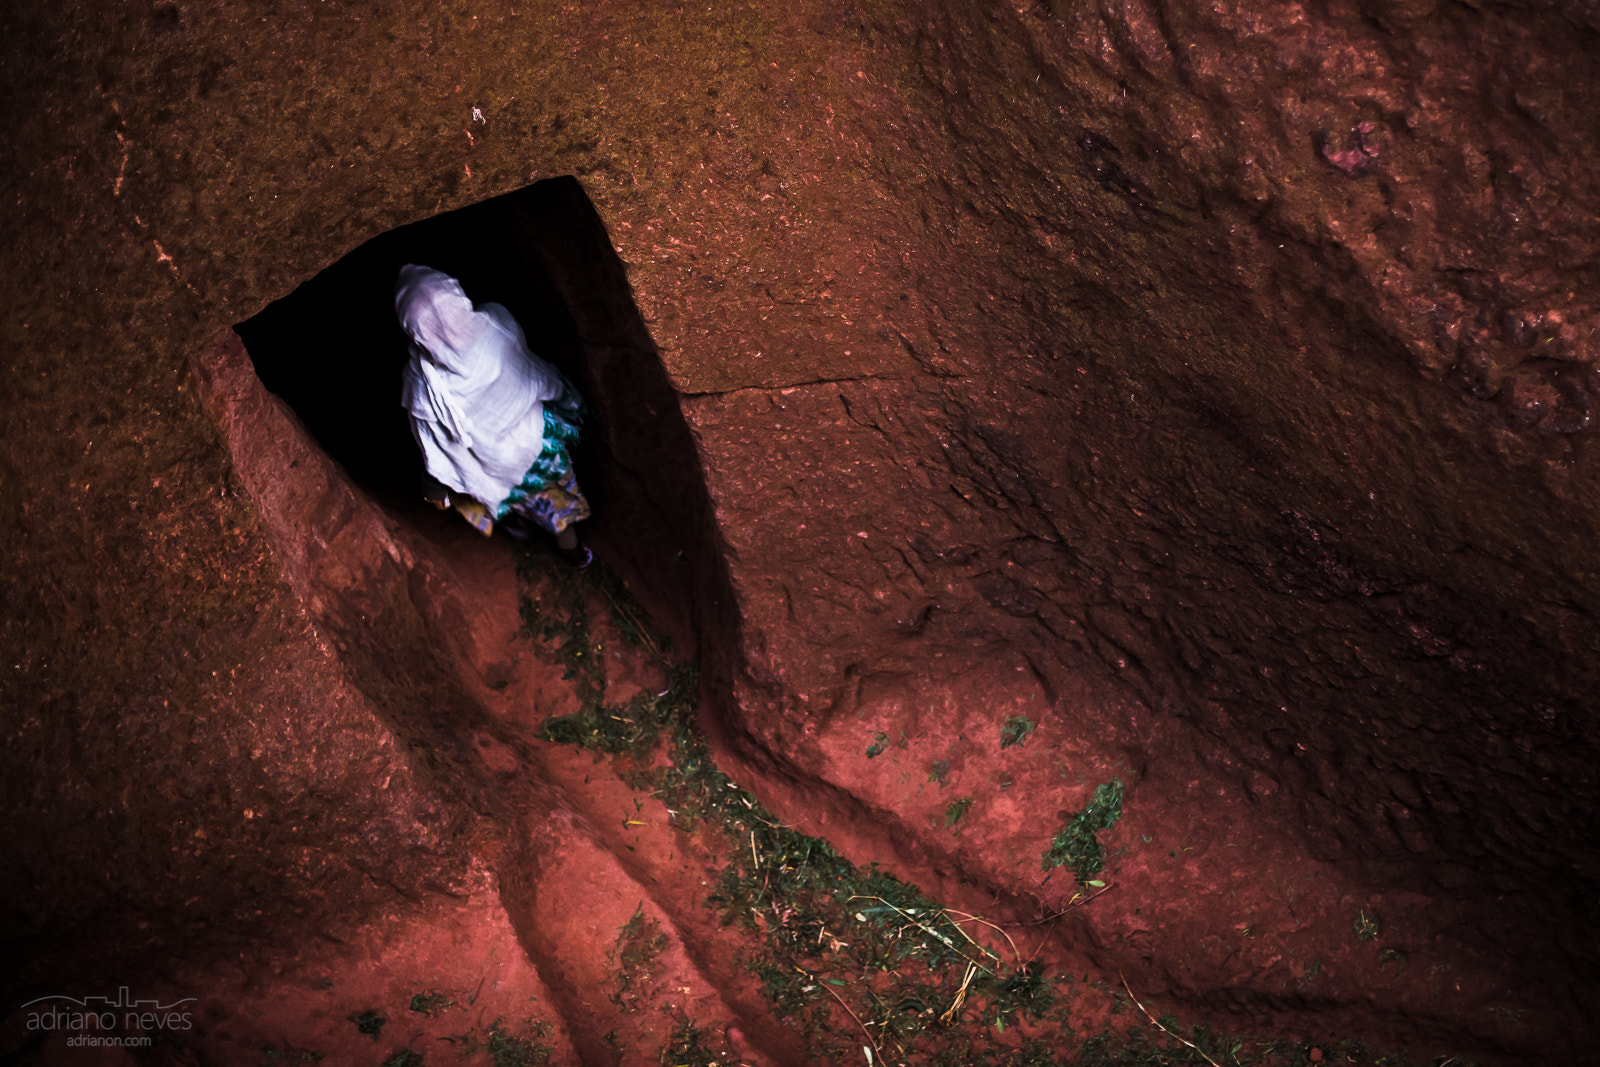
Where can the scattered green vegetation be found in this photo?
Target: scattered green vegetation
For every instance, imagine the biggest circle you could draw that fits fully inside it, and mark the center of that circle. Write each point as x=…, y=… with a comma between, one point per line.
x=1392, y=955
x=915, y=984
x=507, y=1050
x=631, y=727
x=1077, y=846
x=1169, y=1047
x=404, y=1058
x=639, y=942
x=1365, y=927
x=938, y=771
x=684, y=1049
x=1015, y=730
x=827, y=931
x=428, y=1003
x=555, y=611
x=369, y=1022
x=1033, y=1054
x=955, y=810
x=1024, y=991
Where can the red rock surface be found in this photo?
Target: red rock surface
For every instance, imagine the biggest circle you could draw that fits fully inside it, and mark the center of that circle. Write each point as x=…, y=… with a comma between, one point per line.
x=1212, y=385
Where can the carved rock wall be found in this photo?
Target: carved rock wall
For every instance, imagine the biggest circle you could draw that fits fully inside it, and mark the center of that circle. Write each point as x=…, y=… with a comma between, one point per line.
x=1211, y=385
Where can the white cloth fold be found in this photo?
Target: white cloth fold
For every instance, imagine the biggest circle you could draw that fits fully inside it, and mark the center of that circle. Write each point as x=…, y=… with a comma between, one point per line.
x=473, y=389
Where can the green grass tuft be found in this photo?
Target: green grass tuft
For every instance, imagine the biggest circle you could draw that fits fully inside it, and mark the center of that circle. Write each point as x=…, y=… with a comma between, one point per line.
x=956, y=810
x=1024, y=991
x=1077, y=845
x=683, y=1048
x=507, y=1050
x=1016, y=730
x=639, y=942
x=632, y=727
x=428, y=1003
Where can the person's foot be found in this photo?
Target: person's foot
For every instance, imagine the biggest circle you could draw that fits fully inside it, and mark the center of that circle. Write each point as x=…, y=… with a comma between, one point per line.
x=578, y=555
x=572, y=550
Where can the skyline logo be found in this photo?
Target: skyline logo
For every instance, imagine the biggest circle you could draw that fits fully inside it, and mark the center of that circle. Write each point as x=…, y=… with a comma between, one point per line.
x=92, y=1020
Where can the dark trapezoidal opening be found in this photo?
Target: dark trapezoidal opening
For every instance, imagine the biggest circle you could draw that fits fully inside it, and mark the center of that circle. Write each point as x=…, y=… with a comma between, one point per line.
x=333, y=351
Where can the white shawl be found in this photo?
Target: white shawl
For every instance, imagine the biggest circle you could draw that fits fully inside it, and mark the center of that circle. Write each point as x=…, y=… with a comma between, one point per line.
x=473, y=389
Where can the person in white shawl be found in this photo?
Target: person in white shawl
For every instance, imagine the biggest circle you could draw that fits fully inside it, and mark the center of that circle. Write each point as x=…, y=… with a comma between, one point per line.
x=493, y=420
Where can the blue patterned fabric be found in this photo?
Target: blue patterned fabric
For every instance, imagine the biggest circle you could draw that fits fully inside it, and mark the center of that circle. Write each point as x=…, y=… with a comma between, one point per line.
x=549, y=494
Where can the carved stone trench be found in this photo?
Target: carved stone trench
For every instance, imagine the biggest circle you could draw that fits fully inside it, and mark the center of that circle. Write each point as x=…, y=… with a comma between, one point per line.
x=1211, y=385
x=422, y=616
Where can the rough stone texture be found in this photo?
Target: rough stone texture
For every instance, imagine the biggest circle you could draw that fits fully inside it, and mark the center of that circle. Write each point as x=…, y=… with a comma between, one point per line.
x=1212, y=383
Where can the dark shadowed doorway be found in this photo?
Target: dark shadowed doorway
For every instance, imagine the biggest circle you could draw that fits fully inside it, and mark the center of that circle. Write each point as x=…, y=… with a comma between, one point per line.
x=333, y=351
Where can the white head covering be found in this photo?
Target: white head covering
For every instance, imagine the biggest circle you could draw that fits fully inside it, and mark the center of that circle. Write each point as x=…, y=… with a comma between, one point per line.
x=473, y=389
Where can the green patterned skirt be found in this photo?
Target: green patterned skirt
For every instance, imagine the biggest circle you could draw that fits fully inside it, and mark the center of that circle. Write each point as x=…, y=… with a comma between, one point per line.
x=549, y=496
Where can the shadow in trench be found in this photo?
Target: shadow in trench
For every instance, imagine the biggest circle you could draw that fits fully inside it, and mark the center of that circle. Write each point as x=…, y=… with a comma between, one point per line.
x=334, y=351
